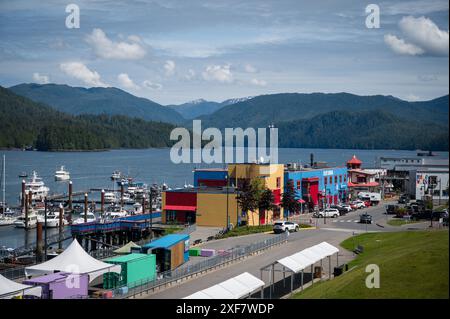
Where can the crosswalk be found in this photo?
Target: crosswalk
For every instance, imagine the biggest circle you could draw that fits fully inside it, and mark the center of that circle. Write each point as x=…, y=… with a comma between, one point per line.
x=345, y=221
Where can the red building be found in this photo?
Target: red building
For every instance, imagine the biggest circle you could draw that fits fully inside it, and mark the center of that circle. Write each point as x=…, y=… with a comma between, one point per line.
x=358, y=178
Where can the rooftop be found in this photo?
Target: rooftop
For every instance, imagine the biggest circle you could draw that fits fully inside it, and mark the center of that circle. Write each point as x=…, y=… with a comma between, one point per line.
x=126, y=258
x=166, y=241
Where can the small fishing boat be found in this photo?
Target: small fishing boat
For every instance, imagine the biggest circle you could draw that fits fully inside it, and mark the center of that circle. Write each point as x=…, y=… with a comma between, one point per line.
x=23, y=175
x=62, y=174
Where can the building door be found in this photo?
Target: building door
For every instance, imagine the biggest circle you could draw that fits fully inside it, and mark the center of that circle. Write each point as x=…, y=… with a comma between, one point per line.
x=262, y=217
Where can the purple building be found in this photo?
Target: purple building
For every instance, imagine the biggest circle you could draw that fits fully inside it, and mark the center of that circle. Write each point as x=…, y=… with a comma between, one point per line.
x=61, y=285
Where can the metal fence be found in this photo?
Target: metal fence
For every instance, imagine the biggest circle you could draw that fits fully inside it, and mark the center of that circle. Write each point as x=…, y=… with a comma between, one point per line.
x=176, y=275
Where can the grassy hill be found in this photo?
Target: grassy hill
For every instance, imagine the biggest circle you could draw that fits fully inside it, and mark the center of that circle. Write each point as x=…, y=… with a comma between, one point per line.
x=413, y=264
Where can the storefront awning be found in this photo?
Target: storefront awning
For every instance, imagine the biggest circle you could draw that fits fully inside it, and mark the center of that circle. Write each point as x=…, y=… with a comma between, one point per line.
x=180, y=207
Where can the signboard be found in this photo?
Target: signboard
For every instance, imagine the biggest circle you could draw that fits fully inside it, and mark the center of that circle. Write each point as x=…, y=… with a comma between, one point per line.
x=327, y=173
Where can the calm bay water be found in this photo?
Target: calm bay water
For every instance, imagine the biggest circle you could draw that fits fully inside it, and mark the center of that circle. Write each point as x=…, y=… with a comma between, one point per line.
x=93, y=170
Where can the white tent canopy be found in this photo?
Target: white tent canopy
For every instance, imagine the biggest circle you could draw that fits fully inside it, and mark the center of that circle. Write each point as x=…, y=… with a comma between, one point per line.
x=73, y=260
x=10, y=289
x=308, y=257
x=234, y=288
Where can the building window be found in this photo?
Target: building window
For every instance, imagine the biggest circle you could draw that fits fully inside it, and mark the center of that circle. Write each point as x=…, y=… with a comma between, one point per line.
x=325, y=180
x=335, y=179
x=278, y=182
x=331, y=179
x=340, y=179
x=299, y=184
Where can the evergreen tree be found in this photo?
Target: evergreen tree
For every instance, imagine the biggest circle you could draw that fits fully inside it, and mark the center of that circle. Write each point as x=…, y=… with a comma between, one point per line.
x=288, y=200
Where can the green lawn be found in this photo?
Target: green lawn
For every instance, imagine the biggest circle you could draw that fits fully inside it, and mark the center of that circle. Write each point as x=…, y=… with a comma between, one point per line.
x=400, y=221
x=413, y=264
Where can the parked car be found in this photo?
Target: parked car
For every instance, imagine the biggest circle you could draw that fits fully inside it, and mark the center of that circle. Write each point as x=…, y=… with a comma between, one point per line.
x=330, y=212
x=284, y=226
x=428, y=214
x=347, y=207
x=358, y=204
x=391, y=209
x=342, y=211
x=403, y=199
x=365, y=219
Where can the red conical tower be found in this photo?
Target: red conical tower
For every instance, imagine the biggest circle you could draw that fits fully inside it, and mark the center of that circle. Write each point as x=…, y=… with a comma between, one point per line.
x=354, y=163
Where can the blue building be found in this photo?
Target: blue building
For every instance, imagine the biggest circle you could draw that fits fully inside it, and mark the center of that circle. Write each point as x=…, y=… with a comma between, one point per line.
x=319, y=186
x=210, y=177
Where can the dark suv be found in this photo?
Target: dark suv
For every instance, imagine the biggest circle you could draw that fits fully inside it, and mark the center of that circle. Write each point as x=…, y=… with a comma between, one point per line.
x=342, y=210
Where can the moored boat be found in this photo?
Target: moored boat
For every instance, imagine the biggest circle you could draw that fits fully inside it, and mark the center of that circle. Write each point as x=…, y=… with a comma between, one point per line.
x=62, y=174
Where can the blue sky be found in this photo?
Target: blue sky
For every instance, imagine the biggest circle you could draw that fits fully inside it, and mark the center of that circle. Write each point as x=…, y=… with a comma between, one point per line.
x=176, y=51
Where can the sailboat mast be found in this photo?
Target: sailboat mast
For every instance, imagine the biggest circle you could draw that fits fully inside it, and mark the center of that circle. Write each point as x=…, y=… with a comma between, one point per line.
x=4, y=182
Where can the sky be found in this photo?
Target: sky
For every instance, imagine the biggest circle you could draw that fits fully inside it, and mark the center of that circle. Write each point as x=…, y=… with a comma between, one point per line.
x=174, y=51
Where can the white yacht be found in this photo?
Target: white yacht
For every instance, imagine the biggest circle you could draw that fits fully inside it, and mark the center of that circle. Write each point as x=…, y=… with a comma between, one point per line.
x=110, y=197
x=52, y=220
x=32, y=220
x=37, y=187
x=90, y=217
x=116, y=175
x=114, y=212
x=7, y=220
x=62, y=174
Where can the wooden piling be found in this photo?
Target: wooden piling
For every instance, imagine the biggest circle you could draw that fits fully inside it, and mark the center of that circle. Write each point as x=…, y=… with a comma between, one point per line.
x=39, y=242
x=60, y=225
x=85, y=207
x=26, y=210
x=24, y=195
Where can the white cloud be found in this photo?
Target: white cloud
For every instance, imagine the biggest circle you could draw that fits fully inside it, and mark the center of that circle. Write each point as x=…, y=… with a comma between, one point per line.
x=258, y=82
x=81, y=72
x=190, y=75
x=250, y=68
x=108, y=49
x=169, y=66
x=150, y=85
x=220, y=73
x=126, y=82
x=40, y=78
x=401, y=47
x=425, y=34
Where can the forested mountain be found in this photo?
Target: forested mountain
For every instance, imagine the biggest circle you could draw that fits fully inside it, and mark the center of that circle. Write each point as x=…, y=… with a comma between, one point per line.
x=194, y=109
x=363, y=130
x=24, y=122
x=96, y=100
x=263, y=110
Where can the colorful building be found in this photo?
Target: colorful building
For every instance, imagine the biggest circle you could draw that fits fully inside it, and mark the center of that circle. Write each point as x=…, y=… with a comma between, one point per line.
x=318, y=186
x=213, y=200
x=360, y=179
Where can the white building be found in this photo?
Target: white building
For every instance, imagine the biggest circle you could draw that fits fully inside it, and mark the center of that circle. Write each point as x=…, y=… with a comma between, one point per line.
x=429, y=181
